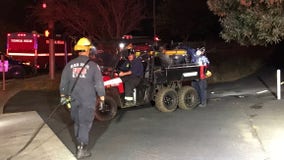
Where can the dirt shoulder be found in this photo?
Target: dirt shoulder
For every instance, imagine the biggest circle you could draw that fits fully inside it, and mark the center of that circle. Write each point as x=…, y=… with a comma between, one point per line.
x=13, y=86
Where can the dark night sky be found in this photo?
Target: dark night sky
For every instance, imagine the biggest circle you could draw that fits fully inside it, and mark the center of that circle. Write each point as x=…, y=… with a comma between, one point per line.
x=14, y=12
x=14, y=16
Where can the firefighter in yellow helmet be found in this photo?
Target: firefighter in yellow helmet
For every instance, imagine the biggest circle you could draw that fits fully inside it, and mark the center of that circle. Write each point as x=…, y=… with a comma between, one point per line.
x=81, y=80
x=84, y=44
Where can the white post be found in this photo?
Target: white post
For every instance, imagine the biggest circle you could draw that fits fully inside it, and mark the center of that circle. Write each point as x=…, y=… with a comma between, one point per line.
x=3, y=72
x=278, y=84
x=134, y=95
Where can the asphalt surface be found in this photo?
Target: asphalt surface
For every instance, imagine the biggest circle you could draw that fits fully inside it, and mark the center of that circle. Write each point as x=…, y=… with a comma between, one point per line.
x=243, y=121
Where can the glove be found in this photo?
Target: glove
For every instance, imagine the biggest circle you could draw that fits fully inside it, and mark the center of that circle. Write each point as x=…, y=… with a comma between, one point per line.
x=64, y=100
x=101, y=105
x=208, y=74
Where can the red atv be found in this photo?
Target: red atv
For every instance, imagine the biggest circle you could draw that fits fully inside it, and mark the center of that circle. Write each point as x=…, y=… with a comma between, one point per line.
x=165, y=86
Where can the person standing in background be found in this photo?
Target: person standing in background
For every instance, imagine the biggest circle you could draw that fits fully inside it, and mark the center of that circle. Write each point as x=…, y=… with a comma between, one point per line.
x=201, y=84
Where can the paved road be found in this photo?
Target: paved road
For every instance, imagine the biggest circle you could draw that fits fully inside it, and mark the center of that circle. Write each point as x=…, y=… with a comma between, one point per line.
x=238, y=124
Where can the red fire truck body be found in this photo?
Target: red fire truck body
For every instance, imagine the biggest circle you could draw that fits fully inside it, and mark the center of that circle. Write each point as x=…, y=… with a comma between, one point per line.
x=34, y=49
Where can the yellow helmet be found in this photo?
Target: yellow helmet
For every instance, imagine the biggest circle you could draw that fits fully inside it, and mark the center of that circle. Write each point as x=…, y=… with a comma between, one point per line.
x=83, y=45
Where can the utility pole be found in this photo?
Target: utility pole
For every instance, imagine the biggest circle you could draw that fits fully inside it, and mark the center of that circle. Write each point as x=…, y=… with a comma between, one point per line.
x=154, y=17
x=154, y=24
x=51, y=49
x=50, y=26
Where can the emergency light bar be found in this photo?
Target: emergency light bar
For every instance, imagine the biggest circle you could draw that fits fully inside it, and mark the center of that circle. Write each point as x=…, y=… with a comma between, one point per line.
x=127, y=37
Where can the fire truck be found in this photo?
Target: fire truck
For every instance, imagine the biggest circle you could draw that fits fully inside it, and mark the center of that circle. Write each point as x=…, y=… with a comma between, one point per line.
x=33, y=48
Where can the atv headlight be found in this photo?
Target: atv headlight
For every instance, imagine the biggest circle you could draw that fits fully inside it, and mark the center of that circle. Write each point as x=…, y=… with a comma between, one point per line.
x=121, y=46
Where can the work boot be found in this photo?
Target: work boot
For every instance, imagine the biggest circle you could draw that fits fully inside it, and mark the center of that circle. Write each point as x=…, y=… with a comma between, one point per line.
x=129, y=103
x=202, y=105
x=82, y=151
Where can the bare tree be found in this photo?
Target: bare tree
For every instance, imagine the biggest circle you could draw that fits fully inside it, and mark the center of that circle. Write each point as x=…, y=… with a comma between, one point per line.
x=98, y=19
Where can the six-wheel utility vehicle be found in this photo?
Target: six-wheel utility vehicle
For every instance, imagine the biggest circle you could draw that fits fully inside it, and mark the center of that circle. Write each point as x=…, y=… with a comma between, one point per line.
x=166, y=83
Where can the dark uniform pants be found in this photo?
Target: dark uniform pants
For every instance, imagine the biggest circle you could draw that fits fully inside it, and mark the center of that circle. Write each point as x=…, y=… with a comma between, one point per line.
x=83, y=117
x=130, y=82
x=201, y=88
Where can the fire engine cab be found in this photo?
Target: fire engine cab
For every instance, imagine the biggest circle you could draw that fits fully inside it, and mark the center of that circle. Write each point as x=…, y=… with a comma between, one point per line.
x=34, y=49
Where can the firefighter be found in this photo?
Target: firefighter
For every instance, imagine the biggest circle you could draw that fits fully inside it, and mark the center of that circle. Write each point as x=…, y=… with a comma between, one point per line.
x=82, y=80
x=131, y=76
x=201, y=84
